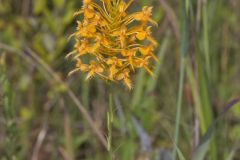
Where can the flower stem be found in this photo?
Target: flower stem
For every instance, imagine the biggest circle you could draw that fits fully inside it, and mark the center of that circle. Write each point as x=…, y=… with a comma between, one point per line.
x=184, y=49
x=110, y=122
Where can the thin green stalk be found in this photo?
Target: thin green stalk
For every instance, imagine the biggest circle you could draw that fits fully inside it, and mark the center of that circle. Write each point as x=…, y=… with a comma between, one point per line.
x=179, y=104
x=205, y=37
x=196, y=96
x=184, y=48
x=206, y=105
x=109, y=124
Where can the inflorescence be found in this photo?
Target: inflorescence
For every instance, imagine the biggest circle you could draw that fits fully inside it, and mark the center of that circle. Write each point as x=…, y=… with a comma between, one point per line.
x=110, y=42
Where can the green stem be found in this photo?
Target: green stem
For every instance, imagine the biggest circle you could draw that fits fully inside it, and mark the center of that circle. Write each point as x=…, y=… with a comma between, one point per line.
x=184, y=48
x=179, y=104
x=205, y=38
x=109, y=123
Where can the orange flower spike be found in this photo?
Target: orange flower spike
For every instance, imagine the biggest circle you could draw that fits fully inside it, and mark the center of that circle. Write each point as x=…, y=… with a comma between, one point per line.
x=79, y=28
x=87, y=29
x=146, y=33
x=77, y=45
x=122, y=8
x=86, y=2
x=79, y=66
x=148, y=51
x=145, y=15
x=114, y=61
x=115, y=64
x=94, y=68
x=101, y=40
x=113, y=50
x=89, y=12
x=87, y=9
x=130, y=54
x=128, y=83
x=124, y=75
x=82, y=48
x=141, y=35
x=143, y=62
x=122, y=36
x=126, y=79
x=112, y=71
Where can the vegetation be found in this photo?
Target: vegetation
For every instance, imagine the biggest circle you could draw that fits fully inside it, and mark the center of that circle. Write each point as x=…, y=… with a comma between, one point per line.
x=189, y=110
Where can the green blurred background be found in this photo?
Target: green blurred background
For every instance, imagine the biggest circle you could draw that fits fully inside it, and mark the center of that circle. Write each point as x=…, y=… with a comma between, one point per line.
x=199, y=41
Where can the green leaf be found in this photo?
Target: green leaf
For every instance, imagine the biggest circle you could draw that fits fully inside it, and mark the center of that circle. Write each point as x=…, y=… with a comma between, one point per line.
x=203, y=147
x=39, y=6
x=201, y=151
x=58, y=3
x=180, y=154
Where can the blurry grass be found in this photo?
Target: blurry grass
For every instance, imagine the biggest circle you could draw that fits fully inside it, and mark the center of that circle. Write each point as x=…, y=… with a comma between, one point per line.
x=10, y=127
x=42, y=65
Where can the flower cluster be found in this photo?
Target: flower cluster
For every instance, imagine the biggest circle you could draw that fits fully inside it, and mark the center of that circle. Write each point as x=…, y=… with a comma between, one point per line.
x=116, y=43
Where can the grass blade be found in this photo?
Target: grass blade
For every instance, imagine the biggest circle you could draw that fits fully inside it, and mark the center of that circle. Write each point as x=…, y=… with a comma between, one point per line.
x=184, y=48
x=203, y=146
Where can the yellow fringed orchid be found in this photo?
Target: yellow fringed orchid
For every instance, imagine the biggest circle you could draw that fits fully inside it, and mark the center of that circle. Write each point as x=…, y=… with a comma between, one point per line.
x=114, y=48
